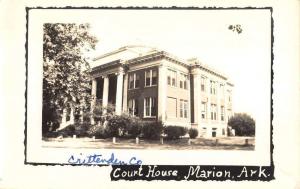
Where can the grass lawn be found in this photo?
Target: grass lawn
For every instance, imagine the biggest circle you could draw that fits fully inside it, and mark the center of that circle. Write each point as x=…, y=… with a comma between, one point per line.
x=223, y=143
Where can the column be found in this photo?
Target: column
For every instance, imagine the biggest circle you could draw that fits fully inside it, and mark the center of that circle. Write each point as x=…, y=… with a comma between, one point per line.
x=189, y=99
x=63, y=119
x=197, y=111
x=219, y=122
x=105, y=92
x=125, y=92
x=81, y=114
x=162, y=92
x=94, y=97
x=119, y=93
x=72, y=116
x=81, y=111
x=209, y=95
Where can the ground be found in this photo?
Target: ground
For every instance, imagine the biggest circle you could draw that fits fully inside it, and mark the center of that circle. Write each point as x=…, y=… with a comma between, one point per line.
x=224, y=143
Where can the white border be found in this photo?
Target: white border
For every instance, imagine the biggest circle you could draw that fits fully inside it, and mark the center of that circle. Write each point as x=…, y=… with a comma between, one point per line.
x=37, y=154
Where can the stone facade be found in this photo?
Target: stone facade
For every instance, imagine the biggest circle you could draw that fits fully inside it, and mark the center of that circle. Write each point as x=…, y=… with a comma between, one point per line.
x=155, y=85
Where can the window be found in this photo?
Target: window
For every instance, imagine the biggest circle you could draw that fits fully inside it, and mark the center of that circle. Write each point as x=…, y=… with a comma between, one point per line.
x=203, y=110
x=204, y=131
x=131, y=81
x=203, y=81
x=229, y=95
x=172, y=78
x=183, y=108
x=149, y=107
x=171, y=107
x=154, y=77
x=133, y=107
x=153, y=107
x=134, y=80
x=222, y=113
x=213, y=113
x=222, y=86
x=229, y=114
x=183, y=81
x=150, y=77
x=213, y=88
x=214, y=132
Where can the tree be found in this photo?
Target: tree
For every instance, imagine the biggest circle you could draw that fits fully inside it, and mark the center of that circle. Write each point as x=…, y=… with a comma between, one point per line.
x=243, y=124
x=66, y=81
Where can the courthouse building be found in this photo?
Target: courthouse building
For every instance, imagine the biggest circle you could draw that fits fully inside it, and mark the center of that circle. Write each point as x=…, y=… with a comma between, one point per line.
x=155, y=85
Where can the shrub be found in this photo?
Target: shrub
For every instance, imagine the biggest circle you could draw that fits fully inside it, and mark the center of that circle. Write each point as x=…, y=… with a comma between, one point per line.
x=243, y=124
x=87, y=117
x=117, y=125
x=80, y=129
x=152, y=130
x=174, y=132
x=98, y=112
x=98, y=131
x=67, y=131
x=193, y=133
x=134, y=128
x=52, y=134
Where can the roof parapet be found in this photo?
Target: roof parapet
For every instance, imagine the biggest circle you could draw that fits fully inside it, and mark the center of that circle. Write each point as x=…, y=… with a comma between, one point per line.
x=194, y=62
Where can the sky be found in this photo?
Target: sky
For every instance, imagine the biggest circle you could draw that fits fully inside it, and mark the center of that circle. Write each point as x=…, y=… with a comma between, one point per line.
x=204, y=34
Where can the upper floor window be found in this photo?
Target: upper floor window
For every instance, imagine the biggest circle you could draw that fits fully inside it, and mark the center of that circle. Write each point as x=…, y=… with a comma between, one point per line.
x=134, y=81
x=150, y=77
x=229, y=95
x=222, y=88
x=183, y=81
x=133, y=107
x=172, y=76
x=213, y=112
x=213, y=87
x=222, y=113
x=149, y=107
x=203, y=110
x=183, y=108
x=203, y=81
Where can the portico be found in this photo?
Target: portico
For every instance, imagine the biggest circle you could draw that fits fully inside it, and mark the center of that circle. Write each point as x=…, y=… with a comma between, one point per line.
x=107, y=88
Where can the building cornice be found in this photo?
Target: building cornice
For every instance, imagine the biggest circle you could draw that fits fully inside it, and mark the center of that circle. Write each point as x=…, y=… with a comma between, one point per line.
x=230, y=84
x=156, y=56
x=107, y=65
x=209, y=70
x=153, y=57
x=128, y=47
x=110, y=53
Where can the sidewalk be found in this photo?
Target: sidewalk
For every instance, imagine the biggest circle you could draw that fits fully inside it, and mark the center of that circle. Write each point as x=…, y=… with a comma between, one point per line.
x=224, y=143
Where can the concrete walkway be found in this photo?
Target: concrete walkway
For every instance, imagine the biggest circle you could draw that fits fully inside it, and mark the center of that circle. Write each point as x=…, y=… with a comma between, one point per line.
x=224, y=143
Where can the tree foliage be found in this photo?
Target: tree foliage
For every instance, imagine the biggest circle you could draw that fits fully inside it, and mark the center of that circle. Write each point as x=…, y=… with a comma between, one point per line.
x=243, y=124
x=65, y=79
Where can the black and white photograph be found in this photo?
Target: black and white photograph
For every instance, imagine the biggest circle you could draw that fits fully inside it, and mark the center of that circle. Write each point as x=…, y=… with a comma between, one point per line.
x=144, y=80
x=153, y=93
x=130, y=91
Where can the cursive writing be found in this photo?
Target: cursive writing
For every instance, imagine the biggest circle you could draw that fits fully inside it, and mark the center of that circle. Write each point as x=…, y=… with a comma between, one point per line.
x=99, y=159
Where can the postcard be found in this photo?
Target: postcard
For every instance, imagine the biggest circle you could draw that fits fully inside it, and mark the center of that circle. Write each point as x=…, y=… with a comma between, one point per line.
x=138, y=92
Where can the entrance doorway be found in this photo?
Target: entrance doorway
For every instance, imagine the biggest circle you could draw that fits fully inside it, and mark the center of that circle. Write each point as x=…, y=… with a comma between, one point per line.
x=214, y=132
